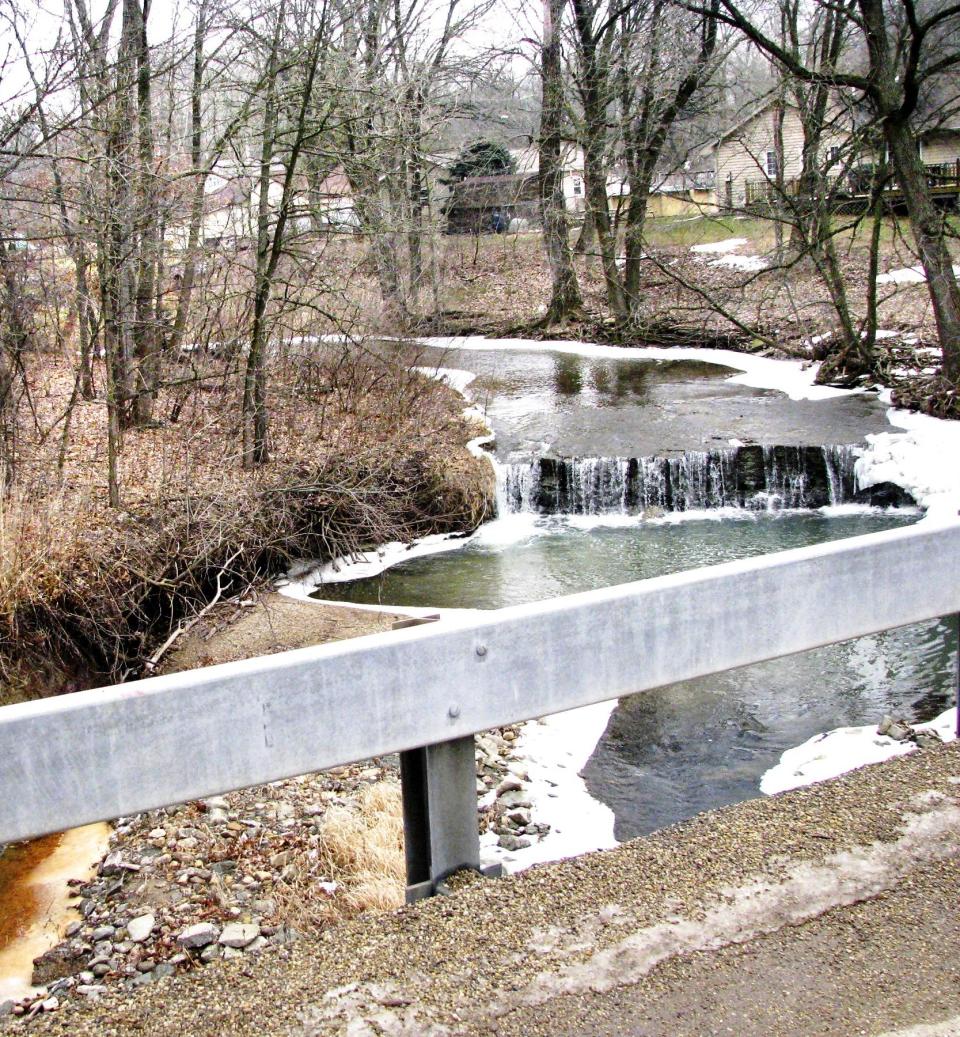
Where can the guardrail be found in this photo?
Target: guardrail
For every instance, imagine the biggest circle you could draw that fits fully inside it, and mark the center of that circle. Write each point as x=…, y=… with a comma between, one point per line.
x=425, y=691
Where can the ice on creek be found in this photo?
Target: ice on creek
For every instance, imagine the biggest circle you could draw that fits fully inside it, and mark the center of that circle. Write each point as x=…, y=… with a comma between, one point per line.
x=833, y=753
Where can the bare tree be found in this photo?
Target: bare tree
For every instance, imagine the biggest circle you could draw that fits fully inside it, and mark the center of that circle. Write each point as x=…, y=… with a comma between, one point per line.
x=906, y=46
x=639, y=66
x=565, y=299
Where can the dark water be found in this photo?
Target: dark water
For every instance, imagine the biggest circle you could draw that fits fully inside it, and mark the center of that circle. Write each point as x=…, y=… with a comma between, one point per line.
x=671, y=753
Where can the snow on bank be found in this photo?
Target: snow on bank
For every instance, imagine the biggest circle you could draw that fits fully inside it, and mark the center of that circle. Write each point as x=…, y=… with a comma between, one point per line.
x=727, y=250
x=727, y=245
x=750, y=264
x=552, y=752
x=921, y=459
x=844, y=749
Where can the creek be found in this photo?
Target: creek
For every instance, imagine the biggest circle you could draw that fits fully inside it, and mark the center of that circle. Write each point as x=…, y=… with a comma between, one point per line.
x=35, y=900
x=611, y=470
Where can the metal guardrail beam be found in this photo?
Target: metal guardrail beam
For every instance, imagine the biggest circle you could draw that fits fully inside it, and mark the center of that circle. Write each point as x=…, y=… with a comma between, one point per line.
x=114, y=751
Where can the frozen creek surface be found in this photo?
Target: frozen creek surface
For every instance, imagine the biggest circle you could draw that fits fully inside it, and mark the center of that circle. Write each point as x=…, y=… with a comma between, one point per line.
x=666, y=755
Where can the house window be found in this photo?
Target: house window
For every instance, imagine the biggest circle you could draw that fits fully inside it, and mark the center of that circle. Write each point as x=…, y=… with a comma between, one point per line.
x=577, y=185
x=833, y=156
x=772, y=168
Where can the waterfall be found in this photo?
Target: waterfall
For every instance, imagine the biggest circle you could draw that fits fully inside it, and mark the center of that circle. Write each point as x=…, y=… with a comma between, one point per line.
x=753, y=477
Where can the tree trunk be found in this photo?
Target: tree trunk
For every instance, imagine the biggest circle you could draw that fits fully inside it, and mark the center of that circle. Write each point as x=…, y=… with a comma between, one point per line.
x=565, y=299
x=185, y=294
x=929, y=232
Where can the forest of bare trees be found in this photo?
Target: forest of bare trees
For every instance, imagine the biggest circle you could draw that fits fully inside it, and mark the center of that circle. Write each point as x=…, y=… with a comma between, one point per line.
x=174, y=180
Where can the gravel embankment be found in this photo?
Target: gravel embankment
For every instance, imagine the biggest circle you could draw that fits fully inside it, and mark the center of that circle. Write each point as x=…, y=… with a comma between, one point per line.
x=552, y=950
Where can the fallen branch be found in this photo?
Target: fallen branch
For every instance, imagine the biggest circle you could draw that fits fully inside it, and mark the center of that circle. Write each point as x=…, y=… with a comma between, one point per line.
x=182, y=628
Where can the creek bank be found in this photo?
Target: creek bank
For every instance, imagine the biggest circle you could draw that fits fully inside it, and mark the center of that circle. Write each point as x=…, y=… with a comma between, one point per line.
x=99, y=591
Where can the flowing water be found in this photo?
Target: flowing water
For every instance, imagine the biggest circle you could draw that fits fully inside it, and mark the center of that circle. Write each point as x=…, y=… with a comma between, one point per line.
x=615, y=508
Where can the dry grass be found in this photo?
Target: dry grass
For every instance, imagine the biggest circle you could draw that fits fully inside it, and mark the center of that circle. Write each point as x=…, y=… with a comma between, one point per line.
x=360, y=848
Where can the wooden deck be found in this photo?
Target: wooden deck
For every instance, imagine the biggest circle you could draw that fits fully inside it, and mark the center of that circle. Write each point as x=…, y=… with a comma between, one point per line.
x=851, y=191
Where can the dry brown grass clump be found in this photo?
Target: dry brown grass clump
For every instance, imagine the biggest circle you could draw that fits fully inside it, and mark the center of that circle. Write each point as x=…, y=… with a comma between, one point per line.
x=360, y=850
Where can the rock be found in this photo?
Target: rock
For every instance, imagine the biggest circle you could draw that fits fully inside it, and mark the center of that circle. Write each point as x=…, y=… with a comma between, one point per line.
x=511, y=842
x=255, y=946
x=264, y=908
x=140, y=928
x=73, y=928
x=238, y=934
x=104, y=932
x=91, y=990
x=514, y=800
x=114, y=864
x=230, y=953
x=50, y=1004
x=164, y=970
x=63, y=960
x=6, y=1007
x=509, y=785
x=210, y=953
x=199, y=935
x=896, y=728
x=927, y=739
x=520, y=816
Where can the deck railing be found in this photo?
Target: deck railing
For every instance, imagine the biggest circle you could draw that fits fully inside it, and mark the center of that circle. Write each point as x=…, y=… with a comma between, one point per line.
x=425, y=691
x=942, y=178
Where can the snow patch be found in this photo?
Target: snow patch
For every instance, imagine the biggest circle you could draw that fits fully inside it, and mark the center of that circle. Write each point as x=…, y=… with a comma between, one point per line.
x=845, y=749
x=907, y=275
x=553, y=751
x=727, y=245
x=915, y=460
x=751, y=264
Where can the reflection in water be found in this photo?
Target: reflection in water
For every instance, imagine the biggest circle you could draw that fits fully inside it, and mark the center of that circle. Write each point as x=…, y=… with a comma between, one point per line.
x=567, y=374
x=689, y=747
x=632, y=381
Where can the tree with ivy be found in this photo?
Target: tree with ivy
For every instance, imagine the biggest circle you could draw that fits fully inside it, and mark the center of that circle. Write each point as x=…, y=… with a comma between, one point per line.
x=482, y=158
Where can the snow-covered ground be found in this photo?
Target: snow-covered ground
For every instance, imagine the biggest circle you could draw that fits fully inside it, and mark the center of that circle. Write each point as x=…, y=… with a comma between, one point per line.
x=907, y=275
x=729, y=255
x=554, y=750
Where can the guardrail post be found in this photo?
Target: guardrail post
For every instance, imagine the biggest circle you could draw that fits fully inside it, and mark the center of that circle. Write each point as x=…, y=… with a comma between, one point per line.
x=439, y=814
